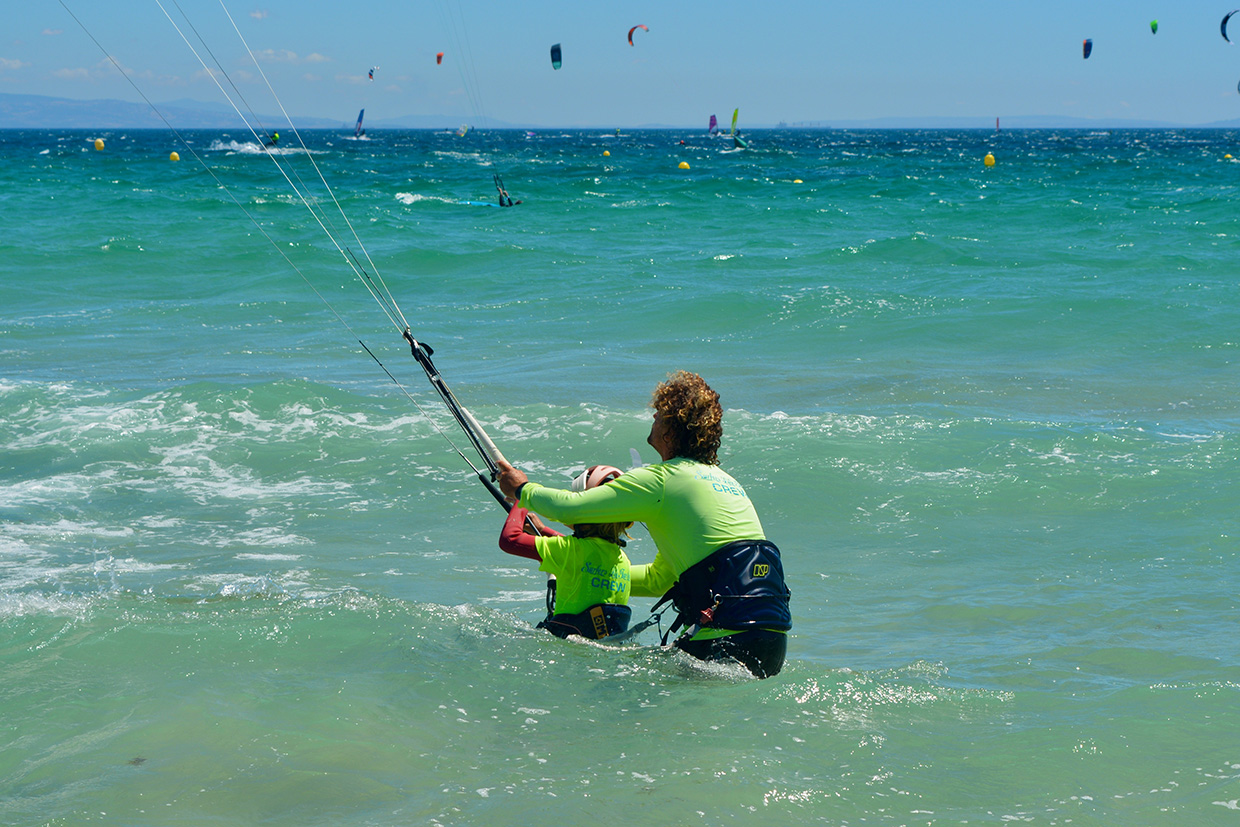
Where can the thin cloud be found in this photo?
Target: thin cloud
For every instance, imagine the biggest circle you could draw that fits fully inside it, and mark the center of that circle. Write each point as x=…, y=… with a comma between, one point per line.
x=259, y=14
x=53, y=32
x=6, y=63
x=105, y=70
x=286, y=56
x=275, y=56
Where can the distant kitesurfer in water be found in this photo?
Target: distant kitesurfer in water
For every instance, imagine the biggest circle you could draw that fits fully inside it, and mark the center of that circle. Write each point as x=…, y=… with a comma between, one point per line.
x=275, y=139
x=592, y=572
x=505, y=200
x=713, y=560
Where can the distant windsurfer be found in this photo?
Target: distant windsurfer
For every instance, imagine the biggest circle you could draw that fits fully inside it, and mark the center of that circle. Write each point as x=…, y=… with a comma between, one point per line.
x=713, y=560
x=737, y=143
x=505, y=200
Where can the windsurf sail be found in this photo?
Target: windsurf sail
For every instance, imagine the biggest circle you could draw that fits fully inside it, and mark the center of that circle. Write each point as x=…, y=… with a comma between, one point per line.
x=714, y=125
x=737, y=143
x=357, y=130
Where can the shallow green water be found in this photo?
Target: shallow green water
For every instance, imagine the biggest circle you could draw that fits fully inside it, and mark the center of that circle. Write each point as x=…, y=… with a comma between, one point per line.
x=988, y=414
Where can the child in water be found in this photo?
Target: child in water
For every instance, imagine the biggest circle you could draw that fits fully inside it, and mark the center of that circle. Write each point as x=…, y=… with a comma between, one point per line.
x=590, y=566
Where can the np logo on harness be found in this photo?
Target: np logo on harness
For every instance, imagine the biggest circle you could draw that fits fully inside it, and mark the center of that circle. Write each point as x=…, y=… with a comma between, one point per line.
x=761, y=570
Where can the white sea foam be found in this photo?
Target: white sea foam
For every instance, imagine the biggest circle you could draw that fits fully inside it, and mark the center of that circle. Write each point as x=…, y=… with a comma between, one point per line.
x=463, y=156
x=518, y=596
x=269, y=536
x=38, y=604
x=408, y=198
x=252, y=148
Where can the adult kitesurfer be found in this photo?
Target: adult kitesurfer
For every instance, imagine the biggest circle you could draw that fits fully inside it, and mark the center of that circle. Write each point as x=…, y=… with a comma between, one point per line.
x=591, y=570
x=713, y=559
x=505, y=200
x=275, y=139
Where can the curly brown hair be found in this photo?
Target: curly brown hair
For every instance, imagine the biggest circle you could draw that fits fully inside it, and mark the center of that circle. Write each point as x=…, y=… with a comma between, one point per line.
x=693, y=415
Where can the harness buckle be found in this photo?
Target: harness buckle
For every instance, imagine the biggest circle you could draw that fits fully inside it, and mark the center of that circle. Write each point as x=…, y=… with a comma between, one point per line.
x=708, y=614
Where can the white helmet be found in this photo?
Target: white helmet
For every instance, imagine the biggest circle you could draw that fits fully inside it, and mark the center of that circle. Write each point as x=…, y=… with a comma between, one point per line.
x=594, y=476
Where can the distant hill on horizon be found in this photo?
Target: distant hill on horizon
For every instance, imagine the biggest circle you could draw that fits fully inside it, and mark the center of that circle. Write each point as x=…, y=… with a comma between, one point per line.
x=44, y=112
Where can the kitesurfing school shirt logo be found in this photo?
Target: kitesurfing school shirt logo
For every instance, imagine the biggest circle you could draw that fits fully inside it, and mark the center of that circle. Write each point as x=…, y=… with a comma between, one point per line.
x=721, y=482
x=614, y=580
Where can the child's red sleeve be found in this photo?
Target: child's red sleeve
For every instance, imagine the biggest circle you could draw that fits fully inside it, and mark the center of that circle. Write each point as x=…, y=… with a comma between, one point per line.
x=513, y=538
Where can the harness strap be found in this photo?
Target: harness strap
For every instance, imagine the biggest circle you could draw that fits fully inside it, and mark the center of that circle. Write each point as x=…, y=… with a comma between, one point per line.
x=600, y=622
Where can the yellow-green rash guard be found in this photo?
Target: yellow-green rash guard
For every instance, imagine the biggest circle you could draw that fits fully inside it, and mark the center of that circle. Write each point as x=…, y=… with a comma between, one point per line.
x=588, y=571
x=691, y=509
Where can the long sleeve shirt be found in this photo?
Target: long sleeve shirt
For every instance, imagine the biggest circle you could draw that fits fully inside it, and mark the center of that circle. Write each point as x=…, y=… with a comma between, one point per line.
x=689, y=508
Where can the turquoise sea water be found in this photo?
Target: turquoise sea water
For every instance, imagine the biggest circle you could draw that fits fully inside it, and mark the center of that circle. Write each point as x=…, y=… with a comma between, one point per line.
x=989, y=414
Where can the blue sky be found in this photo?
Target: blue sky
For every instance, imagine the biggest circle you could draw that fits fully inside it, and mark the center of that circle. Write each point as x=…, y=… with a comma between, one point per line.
x=788, y=60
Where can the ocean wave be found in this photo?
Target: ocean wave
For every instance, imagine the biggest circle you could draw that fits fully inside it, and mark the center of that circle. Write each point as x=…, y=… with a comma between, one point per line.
x=233, y=147
x=409, y=198
x=455, y=155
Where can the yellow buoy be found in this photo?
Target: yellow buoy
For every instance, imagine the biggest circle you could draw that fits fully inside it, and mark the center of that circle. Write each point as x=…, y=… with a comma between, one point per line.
x=684, y=164
x=797, y=181
x=989, y=160
x=99, y=144
x=606, y=153
x=174, y=157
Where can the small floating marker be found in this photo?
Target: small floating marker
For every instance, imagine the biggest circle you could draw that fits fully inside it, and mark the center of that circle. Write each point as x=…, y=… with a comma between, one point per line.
x=989, y=160
x=797, y=181
x=684, y=165
x=99, y=144
x=174, y=157
x=606, y=153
